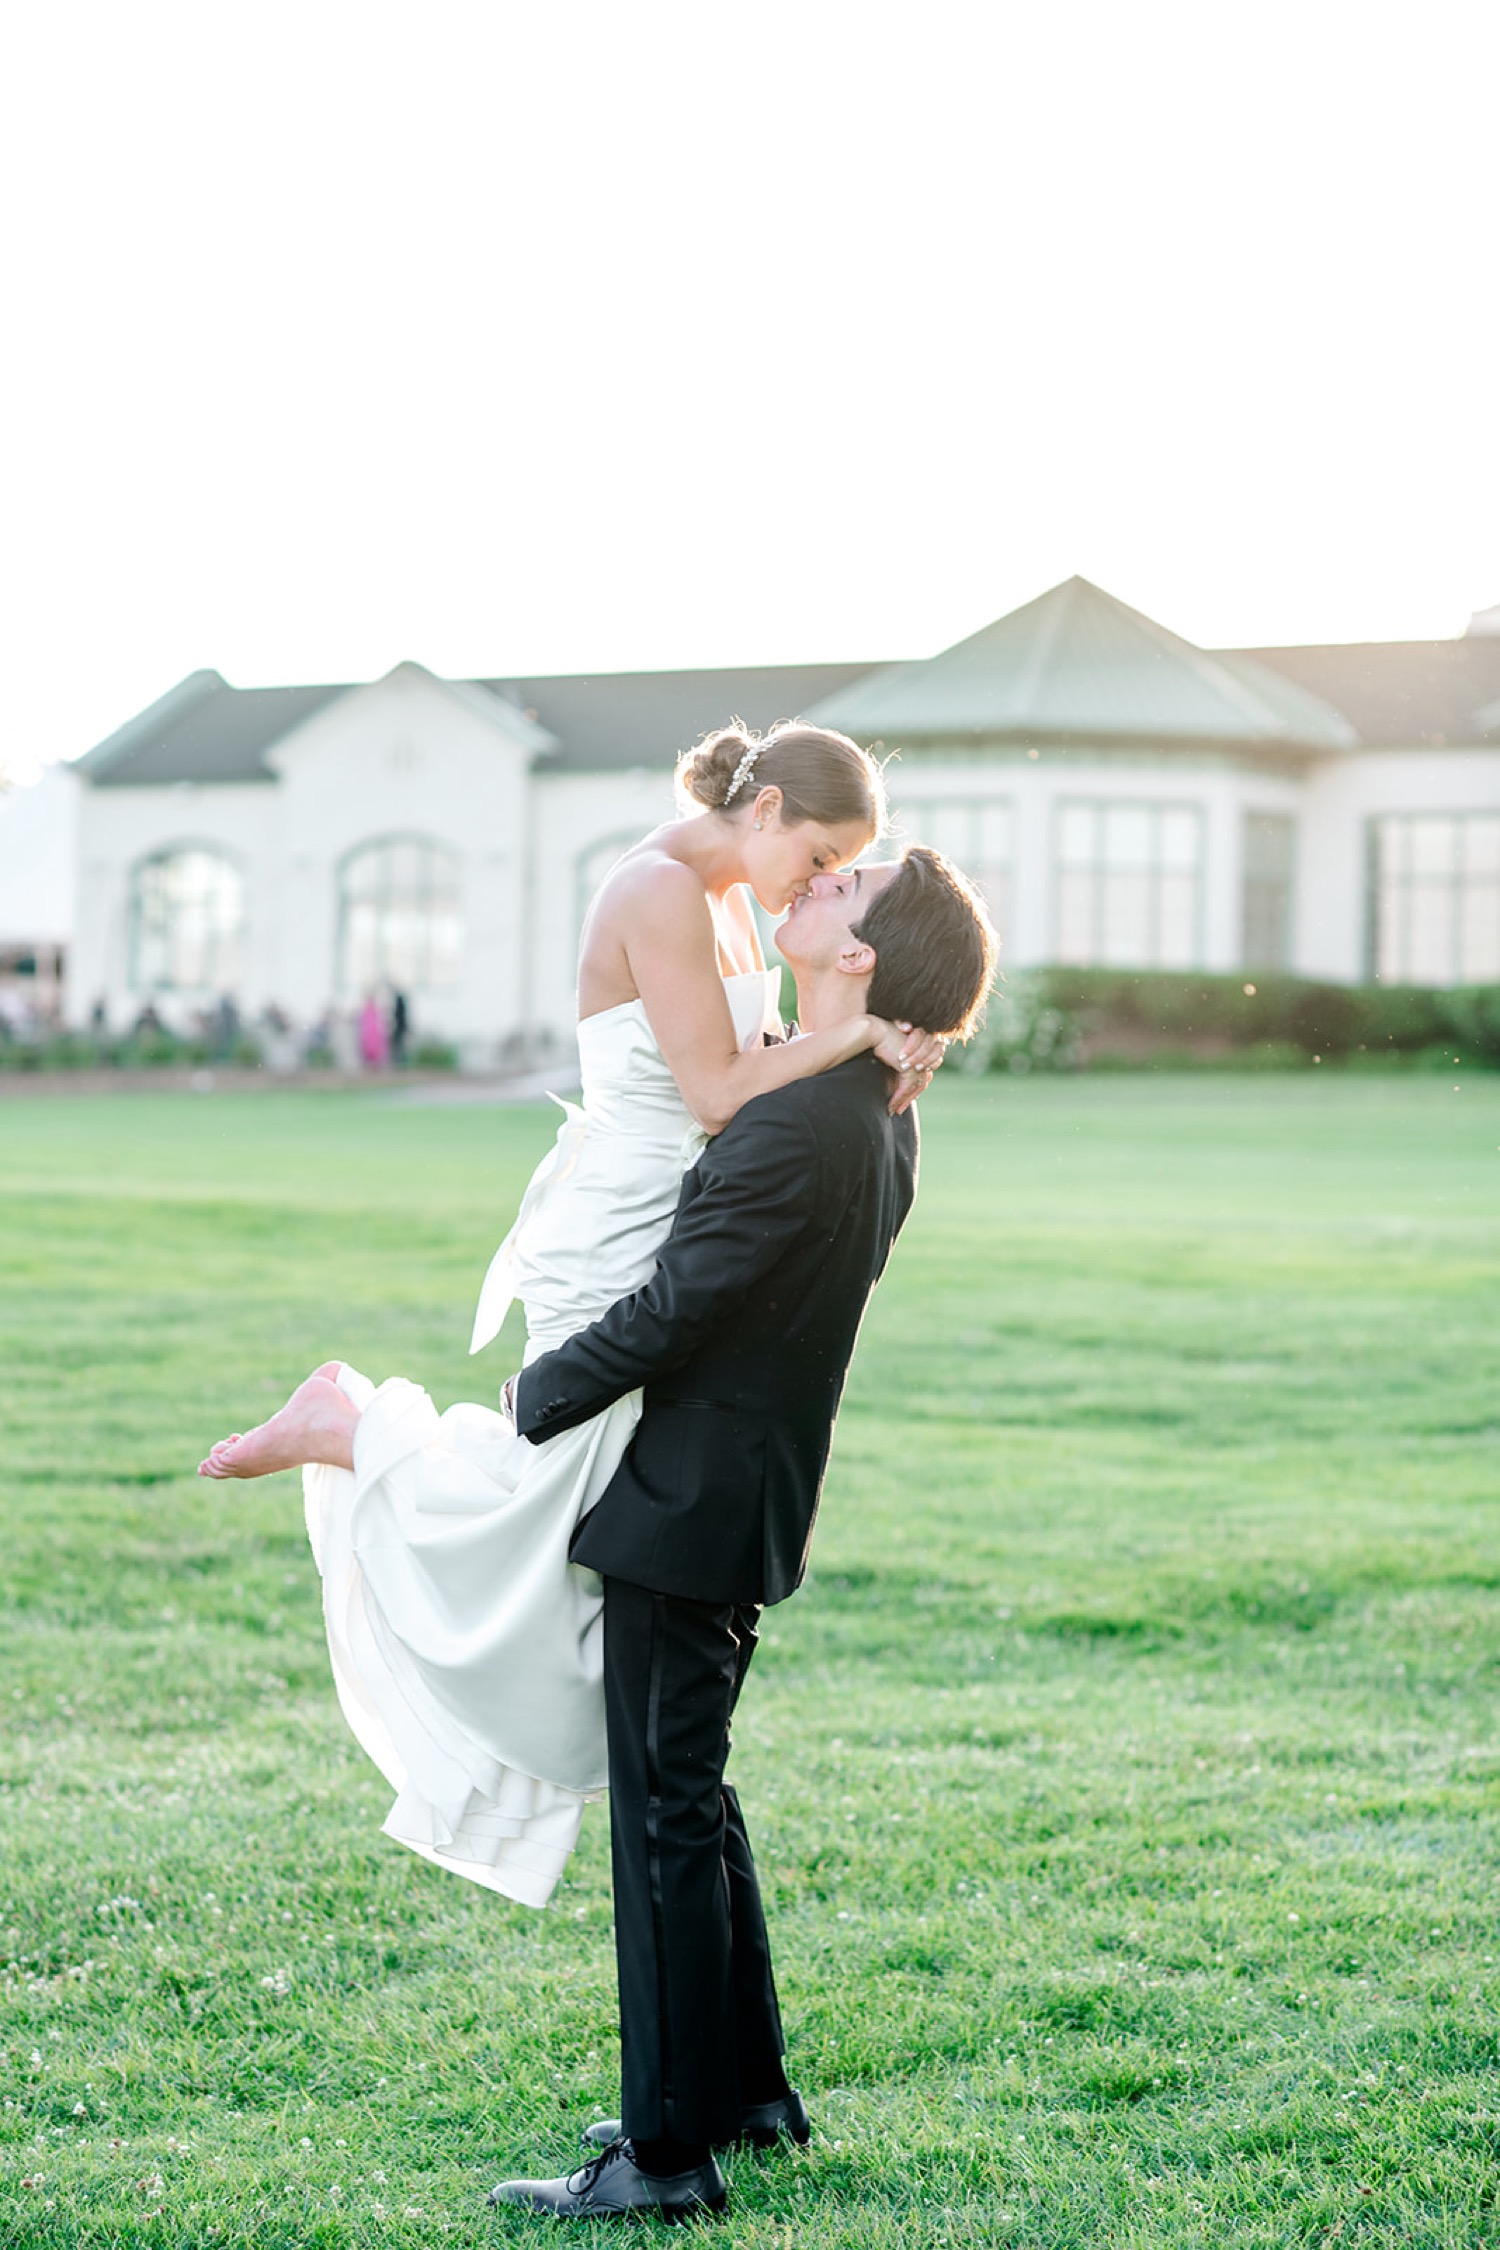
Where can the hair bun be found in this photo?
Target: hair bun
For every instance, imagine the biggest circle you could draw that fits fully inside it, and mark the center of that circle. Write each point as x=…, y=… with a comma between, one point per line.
x=709, y=768
x=820, y=775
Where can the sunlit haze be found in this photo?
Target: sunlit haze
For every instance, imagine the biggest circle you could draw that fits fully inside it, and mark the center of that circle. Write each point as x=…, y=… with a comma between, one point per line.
x=557, y=339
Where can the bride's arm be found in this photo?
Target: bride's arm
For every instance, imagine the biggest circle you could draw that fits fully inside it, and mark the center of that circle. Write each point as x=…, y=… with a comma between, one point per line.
x=673, y=958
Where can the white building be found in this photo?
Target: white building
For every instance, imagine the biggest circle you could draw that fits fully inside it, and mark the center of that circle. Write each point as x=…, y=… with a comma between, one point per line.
x=1123, y=797
x=38, y=894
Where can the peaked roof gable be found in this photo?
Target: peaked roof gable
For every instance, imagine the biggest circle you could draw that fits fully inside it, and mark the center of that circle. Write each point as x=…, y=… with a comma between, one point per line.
x=495, y=712
x=202, y=730
x=1077, y=664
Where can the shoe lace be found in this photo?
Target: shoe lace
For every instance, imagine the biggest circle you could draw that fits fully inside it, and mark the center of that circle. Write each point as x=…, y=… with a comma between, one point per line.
x=584, y=2181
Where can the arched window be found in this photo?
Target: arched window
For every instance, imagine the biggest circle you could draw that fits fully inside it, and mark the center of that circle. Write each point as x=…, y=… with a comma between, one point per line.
x=399, y=916
x=187, y=922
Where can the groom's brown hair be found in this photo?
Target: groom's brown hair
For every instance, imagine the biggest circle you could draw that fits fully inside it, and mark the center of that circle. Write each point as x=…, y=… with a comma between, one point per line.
x=935, y=946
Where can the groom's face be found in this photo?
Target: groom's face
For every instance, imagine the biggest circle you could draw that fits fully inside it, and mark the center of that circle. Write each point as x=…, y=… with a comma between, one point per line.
x=818, y=930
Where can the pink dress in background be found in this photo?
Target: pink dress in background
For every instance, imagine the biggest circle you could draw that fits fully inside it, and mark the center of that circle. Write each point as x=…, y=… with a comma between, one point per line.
x=374, y=1047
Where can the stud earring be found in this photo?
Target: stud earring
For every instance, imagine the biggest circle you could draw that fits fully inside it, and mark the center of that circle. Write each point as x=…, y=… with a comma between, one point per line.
x=757, y=824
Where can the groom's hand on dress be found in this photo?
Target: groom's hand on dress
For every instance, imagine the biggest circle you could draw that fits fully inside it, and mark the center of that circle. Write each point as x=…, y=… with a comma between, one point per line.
x=508, y=1400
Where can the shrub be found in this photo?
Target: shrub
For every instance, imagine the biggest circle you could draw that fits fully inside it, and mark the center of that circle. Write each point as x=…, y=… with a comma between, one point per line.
x=1024, y=1029
x=1067, y=1018
x=1472, y=1020
x=434, y=1054
x=132, y=1050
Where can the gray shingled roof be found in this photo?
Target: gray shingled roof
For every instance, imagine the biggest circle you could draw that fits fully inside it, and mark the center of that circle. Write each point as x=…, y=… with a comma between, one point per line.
x=1400, y=694
x=202, y=730
x=607, y=720
x=206, y=731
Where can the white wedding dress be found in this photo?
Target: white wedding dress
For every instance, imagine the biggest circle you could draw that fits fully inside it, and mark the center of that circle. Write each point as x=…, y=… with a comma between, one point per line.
x=466, y=1648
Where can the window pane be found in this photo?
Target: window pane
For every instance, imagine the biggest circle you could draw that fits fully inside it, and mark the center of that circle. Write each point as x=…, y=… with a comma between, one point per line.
x=188, y=918
x=975, y=832
x=1268, y=845
x=1127, y=836
x=445, y=945
x=1125, y=940
x=361, y=946
x=1266, y=898
x=401, y=920
x=1480, y=934
x=1177, y=922
x=1180, y=837
x=1075, y=836
x=994, y=846
x=1481, y=845
x=993, y=885
x=950, y=830
x=1128, y=882
x=1431, y=933
x=1437, y=897
x=1390, y=846
x=1075, y=924
x=1391, y=942
x=1433, y=845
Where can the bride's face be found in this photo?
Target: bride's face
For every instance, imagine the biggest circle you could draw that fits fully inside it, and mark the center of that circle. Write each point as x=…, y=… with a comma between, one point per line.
x=781, y=858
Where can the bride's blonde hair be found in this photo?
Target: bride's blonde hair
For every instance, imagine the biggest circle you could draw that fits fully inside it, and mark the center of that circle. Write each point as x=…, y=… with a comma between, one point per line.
x=821, y=775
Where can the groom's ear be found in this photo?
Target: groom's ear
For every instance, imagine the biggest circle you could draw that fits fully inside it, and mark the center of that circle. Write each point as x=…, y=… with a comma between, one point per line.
x=856, y=958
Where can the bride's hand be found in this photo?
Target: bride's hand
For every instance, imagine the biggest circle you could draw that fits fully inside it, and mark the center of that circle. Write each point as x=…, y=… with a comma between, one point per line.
x=914, y=1055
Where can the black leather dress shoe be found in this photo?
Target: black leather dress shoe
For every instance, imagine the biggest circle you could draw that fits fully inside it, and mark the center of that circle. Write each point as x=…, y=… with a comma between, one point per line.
x=762, y=2124
x=612, y=2185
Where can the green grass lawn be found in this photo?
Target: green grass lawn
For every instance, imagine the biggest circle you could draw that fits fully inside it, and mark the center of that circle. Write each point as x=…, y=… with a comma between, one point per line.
x=1124, y=1779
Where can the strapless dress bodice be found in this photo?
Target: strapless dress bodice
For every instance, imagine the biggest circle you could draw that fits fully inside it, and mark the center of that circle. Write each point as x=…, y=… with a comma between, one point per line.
x=599, y=1204
x=627, y=1087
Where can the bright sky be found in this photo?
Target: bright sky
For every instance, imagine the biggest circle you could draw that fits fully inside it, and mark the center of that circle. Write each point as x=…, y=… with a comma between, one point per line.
x=577, y=336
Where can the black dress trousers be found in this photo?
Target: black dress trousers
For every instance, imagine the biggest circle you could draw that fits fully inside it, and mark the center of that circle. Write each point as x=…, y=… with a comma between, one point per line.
x=700, y=2031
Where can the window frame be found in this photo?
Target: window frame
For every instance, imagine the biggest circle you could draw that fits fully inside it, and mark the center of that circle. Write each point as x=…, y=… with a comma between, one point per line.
x=1291, y=827
x=908, y=816
x=349, y=986
x=1157, y=809
x=231, y=936
x=1454, y=885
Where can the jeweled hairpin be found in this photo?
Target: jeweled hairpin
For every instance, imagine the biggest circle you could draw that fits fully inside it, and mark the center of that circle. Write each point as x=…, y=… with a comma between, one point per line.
x=741, y=773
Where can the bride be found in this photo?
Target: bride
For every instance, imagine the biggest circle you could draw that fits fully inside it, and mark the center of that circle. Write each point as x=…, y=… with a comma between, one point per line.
x=466, y=1648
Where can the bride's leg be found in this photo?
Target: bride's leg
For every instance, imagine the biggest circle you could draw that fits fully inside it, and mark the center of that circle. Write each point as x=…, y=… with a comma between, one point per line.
x=316, y=1424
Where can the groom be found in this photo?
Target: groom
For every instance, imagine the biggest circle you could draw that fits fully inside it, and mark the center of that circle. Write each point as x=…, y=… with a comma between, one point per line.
x=741, y=1340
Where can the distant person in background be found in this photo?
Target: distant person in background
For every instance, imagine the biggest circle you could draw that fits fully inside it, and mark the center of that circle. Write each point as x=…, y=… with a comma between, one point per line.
x=400, y=1024
x=374, y=1049
x=226, y=1028
x=278, y=1042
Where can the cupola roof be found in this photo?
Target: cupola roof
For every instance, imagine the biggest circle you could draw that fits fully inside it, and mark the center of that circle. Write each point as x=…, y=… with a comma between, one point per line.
x=1076, y=664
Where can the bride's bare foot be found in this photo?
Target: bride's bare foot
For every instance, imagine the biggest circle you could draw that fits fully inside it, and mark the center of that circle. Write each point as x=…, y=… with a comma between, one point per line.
x=316, y=1424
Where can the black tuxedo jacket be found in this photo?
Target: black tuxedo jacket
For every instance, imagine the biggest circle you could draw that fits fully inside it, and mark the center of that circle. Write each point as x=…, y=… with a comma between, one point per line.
x=741, y=1340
